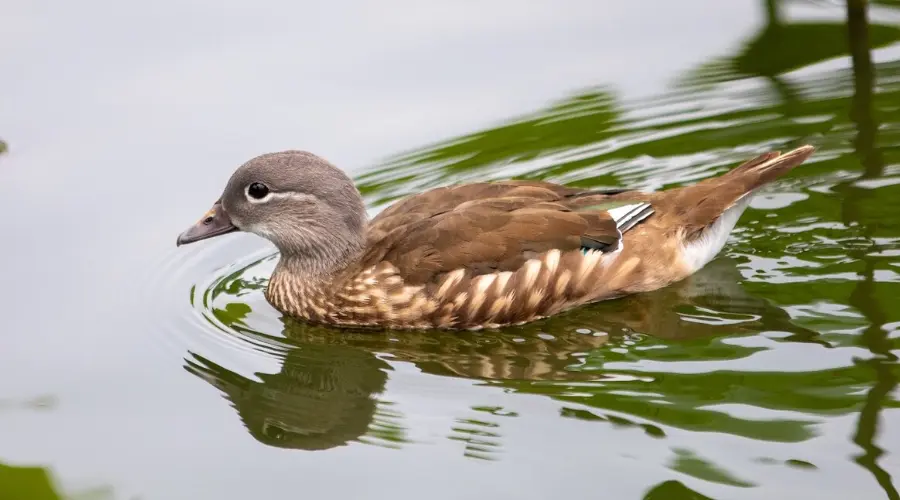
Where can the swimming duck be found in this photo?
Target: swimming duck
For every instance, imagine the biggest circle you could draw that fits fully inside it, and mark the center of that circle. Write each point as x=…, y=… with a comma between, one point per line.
x=470, y=256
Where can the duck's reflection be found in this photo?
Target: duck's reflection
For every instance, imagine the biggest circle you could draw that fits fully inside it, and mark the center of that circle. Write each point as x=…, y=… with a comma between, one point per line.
x=712, y=302
x=325, y=394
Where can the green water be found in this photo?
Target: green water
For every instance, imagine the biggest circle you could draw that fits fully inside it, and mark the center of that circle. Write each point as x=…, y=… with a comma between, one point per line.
x=770, y=373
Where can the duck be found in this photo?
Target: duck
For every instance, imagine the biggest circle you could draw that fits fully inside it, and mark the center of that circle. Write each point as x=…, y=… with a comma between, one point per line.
x=474, y=255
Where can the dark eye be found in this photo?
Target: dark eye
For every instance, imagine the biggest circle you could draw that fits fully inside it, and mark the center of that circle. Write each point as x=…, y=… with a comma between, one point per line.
x=258, y=190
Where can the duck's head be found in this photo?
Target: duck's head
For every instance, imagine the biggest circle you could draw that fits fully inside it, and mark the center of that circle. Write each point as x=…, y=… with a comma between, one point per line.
x=307, y=207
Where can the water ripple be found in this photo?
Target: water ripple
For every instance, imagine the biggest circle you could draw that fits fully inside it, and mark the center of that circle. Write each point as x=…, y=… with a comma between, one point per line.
x=188, y=282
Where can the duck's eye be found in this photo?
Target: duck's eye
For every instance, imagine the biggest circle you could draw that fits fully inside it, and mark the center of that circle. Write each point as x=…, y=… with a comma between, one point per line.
x=258, y=190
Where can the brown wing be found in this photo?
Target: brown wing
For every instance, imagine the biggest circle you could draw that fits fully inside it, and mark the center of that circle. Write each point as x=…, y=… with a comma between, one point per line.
x=439, y=200
x=484, y=235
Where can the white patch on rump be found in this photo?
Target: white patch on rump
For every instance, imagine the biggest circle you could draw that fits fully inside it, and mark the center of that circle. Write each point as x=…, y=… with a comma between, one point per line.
x=704, y=249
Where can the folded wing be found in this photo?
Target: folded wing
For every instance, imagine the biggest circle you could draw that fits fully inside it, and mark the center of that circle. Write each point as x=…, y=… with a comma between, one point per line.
x=486, y=228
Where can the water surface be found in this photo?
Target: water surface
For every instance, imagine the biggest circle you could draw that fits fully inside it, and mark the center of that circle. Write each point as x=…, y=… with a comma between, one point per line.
x=132, y=369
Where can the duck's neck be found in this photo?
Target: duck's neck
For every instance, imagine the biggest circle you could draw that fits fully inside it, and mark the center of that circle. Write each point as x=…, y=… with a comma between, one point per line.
x=317, y=251
x=319, y=267
x=304, y=285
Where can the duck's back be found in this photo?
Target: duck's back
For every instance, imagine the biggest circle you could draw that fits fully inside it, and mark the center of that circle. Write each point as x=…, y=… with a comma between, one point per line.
x=432, y=202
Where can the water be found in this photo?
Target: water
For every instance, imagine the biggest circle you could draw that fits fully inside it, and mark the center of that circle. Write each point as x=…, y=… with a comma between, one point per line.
x=132, y=369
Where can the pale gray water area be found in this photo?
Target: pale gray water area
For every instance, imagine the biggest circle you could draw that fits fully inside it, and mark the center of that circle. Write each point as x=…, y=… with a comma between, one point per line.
x=132, y=369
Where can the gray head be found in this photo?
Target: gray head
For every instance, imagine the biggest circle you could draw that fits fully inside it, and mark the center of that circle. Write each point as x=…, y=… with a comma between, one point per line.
x=304, y=205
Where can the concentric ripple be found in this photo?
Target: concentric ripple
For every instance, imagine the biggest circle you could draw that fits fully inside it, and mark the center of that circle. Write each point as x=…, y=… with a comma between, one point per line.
x=197, y=285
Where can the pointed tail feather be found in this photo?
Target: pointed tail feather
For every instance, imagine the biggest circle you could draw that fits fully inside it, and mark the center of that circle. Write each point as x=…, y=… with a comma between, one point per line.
x=767, y=167
x=702, y=204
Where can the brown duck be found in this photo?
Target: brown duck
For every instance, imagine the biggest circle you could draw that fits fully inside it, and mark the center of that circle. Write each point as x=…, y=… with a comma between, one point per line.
x=474, y=255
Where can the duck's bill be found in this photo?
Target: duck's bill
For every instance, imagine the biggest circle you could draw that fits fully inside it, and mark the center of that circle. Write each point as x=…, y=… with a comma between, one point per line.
x=215, y=222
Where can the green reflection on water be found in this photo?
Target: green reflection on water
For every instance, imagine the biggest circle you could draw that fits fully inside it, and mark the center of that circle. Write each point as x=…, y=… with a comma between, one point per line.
x=37, y=483
x=689, y=463
x=811, y=279
x=673, y=490
x=26, y=482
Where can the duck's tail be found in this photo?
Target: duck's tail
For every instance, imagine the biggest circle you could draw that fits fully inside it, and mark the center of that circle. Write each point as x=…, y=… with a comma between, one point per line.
x=767, y=167
x=705, y=202
x=706, y=212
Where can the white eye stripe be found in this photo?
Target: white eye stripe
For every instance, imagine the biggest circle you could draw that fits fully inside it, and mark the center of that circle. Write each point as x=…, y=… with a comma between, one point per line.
x=276, y=195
